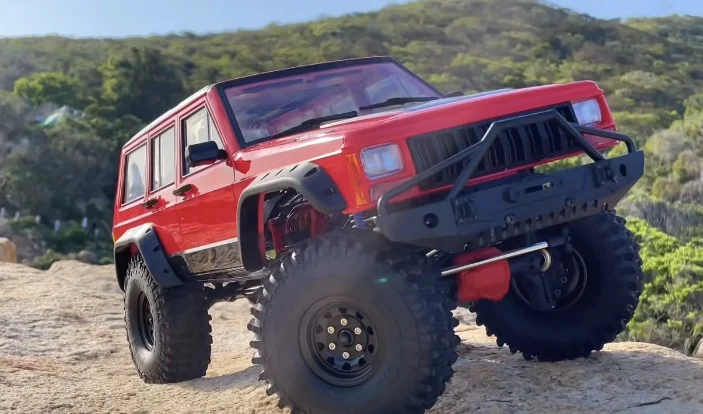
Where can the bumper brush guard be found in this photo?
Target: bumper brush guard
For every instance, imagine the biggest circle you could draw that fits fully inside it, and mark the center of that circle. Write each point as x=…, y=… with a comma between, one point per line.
x=467, y=220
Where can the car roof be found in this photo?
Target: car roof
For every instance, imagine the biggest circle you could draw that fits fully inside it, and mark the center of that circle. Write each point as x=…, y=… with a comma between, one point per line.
x=304, y=68
x=258, y=77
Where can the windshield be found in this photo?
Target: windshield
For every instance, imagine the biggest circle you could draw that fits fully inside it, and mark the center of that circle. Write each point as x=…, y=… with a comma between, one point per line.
x=272, y=107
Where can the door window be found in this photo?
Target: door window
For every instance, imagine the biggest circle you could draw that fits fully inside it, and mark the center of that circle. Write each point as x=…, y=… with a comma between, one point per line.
x=163, y=166
x=198, y=128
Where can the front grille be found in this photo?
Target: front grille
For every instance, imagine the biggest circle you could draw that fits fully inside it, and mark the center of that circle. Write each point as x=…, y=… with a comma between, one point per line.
x=514, y=147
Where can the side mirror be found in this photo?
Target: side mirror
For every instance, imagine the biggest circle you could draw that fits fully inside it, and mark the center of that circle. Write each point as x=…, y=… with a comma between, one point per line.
x=203, y=153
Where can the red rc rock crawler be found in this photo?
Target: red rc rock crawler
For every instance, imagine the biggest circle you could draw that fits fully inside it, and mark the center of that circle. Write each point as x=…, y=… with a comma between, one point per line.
x=356, y=206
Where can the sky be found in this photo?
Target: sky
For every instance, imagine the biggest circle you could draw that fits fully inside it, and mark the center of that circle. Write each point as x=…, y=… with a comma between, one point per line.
x=113, y=18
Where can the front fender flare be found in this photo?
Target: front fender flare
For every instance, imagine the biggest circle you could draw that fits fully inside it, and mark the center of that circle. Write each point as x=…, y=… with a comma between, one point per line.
x=307, y=178
x=147, y=242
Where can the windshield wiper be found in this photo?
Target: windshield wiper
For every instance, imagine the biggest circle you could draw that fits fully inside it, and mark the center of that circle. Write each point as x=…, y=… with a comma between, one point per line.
x=314, y=122
x=399, y=101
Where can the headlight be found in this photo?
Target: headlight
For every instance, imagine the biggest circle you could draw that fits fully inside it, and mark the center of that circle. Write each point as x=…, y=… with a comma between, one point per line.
x=381, y=161
x=587, y=112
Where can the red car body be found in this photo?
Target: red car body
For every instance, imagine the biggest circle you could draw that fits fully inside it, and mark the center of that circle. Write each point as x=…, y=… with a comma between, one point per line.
x=206, y=216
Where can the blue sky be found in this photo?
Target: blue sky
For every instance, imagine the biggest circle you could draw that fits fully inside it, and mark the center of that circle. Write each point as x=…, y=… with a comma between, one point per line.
x=112, y=18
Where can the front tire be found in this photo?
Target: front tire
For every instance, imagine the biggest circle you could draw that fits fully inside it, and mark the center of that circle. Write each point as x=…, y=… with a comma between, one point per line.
x=168, y=330
x=602, y=307
x=342, y=328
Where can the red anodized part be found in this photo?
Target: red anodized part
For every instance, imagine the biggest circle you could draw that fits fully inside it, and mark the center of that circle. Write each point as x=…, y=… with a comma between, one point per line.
x=302, y=217
x=490, y=281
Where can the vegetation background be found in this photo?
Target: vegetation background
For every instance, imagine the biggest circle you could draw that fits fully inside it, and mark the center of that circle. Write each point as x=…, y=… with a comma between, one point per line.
x=650, y=69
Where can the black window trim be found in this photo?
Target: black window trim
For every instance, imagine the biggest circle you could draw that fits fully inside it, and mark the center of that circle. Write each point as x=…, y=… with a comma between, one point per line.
x=124, y=174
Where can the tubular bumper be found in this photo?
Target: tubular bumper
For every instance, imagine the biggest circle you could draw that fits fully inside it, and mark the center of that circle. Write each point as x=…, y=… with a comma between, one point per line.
x=481, y=217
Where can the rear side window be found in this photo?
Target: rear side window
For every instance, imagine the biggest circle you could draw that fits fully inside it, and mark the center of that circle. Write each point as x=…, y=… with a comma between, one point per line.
x=198, y=128
x=163, y=160
x=135, y=175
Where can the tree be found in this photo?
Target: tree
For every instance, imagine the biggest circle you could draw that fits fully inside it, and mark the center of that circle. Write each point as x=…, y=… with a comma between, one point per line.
x=61, y=172
x=143, y=84
x=53, y=87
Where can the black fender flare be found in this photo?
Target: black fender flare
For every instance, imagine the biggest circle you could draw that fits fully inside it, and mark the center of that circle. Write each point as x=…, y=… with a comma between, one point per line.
x=307, y=178
x=146, y=240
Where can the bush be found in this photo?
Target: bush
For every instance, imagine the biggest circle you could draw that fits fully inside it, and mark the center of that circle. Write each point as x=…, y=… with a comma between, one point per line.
x=45, y=261
x=683, y=221
x=666, y=188
x=669, y=313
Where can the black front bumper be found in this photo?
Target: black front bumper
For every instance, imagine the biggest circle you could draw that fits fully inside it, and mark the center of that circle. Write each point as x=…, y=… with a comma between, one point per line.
x=470, y=217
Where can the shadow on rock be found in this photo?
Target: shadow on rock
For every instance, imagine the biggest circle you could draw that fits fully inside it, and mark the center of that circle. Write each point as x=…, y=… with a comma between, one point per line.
x=239, y=379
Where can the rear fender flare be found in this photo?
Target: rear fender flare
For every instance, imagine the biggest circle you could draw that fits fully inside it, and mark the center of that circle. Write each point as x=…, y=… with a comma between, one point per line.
x=307, y=178
x=147, y=242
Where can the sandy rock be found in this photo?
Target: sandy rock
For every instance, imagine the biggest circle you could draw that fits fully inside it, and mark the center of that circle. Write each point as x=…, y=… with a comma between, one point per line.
x=86, y=256
x=698, y=352
x=63, y=350
x=8, y=251
x=29, y=244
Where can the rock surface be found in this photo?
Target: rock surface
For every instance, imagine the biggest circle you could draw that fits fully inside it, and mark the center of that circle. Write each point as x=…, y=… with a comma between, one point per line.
x=8, y=251
x=63, y=350
x=29, y=244
x=87, y=256
x=698, y=352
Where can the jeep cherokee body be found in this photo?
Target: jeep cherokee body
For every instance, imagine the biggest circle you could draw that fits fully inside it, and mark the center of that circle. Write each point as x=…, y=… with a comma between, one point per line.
x=249, y=179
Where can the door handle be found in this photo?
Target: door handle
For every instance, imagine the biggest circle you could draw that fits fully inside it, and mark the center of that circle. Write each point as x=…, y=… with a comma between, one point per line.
x=150, y=203
x=182, y=190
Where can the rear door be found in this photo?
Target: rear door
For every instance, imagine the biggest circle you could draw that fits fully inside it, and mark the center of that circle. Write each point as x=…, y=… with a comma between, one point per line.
x=131, y=210
x=160, y=202
x=206, y=202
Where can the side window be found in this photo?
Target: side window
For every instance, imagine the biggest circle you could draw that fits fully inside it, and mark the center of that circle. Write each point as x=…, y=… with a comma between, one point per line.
x=198, y=128
x=135, y=175
x=163, y=166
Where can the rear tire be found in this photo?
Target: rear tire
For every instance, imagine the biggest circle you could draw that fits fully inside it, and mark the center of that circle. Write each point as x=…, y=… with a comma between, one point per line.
x=607, y=302
x=395, y=310
x=168, y=330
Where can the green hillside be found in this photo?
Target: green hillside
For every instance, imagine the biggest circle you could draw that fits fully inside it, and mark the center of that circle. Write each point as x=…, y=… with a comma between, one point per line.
x=651, y=70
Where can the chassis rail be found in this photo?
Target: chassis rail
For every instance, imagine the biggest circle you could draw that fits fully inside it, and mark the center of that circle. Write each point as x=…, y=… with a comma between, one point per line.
x=478, y=217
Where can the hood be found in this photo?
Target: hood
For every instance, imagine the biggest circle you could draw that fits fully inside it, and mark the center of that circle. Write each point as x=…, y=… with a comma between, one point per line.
x=418, y=119
x=447, y=113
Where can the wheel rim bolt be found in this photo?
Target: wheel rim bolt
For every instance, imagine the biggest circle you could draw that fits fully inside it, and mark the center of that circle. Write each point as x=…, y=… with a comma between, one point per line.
x=330, y=329
x=343, y=322
x=358, y=347
x=557, y=292
x=563, y=280
x=345, y=355
x=357, y=331
x=332, y=346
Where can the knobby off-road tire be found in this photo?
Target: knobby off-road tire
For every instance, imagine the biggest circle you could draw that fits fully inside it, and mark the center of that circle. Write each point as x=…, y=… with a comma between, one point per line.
x=179, y=346
x=610, y=297
x=394, y=298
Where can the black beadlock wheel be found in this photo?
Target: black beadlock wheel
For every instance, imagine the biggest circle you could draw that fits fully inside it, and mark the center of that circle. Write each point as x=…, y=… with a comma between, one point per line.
x=601, y=281
x=344, y=326
x=145, y=321
x=168, y=330
x=338, y=342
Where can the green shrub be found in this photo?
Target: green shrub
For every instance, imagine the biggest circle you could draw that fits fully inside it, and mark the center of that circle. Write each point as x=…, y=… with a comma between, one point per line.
x=45, y=261
x=670, y=312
